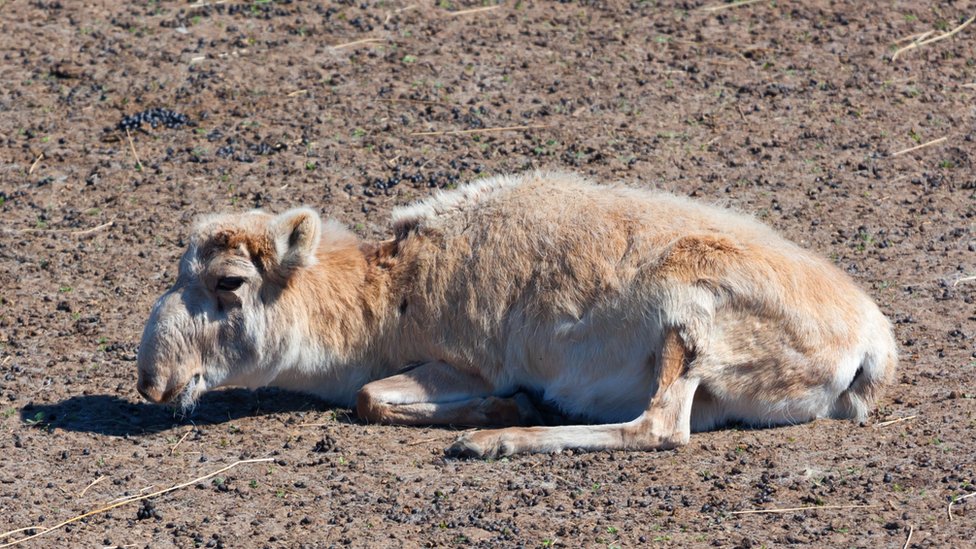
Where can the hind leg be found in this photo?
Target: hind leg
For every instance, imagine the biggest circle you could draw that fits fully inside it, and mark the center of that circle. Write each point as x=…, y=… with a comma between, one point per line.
x=436, y=393
x=665, y=423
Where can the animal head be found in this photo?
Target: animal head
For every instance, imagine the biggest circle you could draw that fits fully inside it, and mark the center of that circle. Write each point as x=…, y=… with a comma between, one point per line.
x=227, y=320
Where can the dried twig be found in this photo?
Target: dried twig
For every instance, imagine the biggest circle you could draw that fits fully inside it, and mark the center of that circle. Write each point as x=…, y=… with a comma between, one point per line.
x=423, y=441
x=397, y=11
x=973, y=85
x=71, y=231
x=963, y=279
x=917, y=37
x=36, y=162
x=297, y=92
x=92, y=483
x=911, y=530
x=205, y=4
x=418, y=101
x=794, y=509
x=93, y=229
x=719, y=7
x=922, y=146
x=483, y=130
x=953, y=501
x=132, y=147
x=472, y=10
x=123, y=498
x=943, y=36
x=178, y=442
x=121, y=503
x=12, y=532
x=356, y=43
x=894, y=421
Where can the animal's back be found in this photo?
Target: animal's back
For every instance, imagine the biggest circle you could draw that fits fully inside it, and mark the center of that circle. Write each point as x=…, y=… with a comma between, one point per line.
x=543, y=274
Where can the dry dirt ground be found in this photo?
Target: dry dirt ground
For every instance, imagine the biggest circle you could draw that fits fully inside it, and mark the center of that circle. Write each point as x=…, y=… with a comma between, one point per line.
x=791, y=111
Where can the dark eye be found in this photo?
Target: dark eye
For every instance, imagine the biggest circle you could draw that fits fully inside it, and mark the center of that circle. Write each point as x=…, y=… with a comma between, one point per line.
x=229, y=283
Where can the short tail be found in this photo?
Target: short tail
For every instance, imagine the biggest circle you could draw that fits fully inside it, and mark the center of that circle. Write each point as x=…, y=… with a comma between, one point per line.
x=877, y=370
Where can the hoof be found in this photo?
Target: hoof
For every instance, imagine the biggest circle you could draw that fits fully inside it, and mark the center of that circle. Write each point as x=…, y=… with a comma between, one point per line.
x=464, y=448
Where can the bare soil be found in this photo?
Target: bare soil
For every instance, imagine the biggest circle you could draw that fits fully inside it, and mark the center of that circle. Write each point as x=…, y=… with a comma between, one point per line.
x=791, y=111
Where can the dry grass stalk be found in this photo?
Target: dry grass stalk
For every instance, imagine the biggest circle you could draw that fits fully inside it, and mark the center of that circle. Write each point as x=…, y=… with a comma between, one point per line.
x=483, y=130
x=953, y=501
x=71, y=231
x=92, y=483
x=472, y=10
x=911, y=530
x=397, y=12
x=919, y=43
x=795, y=509
x=719, y=7
x=121, y=503
x=199, y=5
x=36, y=162
x=356, y=43
x=963, y=279
x=178, y=442
x=417, y=101
x=922, y=146
x=132, y=147
x=894, y=421
x=917, y=37
x=12, y=532
x=297, y=92
x=424, y=441
x=105, y=225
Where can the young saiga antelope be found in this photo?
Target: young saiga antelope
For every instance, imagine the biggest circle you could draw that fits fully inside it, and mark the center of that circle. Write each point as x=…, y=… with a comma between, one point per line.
x=639, y=315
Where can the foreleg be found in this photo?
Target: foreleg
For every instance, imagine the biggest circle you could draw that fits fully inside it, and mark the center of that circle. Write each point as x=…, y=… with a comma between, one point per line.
x=436, y=393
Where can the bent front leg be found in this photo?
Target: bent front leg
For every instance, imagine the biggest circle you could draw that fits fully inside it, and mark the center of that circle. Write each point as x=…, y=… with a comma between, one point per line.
x=665, y=423
x=436, y=393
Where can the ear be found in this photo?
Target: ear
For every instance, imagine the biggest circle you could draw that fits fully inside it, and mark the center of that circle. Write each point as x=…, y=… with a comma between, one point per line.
x=296, y=234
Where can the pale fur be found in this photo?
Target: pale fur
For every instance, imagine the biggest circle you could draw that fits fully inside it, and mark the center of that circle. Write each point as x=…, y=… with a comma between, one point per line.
x=538, y=284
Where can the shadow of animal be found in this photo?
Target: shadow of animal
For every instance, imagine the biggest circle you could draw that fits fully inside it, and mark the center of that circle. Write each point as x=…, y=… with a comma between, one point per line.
x=117, y=417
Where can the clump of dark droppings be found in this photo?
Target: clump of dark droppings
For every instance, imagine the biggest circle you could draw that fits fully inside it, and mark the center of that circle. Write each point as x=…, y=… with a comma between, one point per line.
x=327, y=444
x=148, y=510
x=155, y=117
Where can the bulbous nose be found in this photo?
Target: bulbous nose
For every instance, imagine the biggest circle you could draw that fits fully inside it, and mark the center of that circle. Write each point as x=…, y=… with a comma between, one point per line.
x=149, y=391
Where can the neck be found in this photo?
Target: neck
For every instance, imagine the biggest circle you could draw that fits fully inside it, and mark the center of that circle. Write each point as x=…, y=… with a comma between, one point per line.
x=339, y=308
